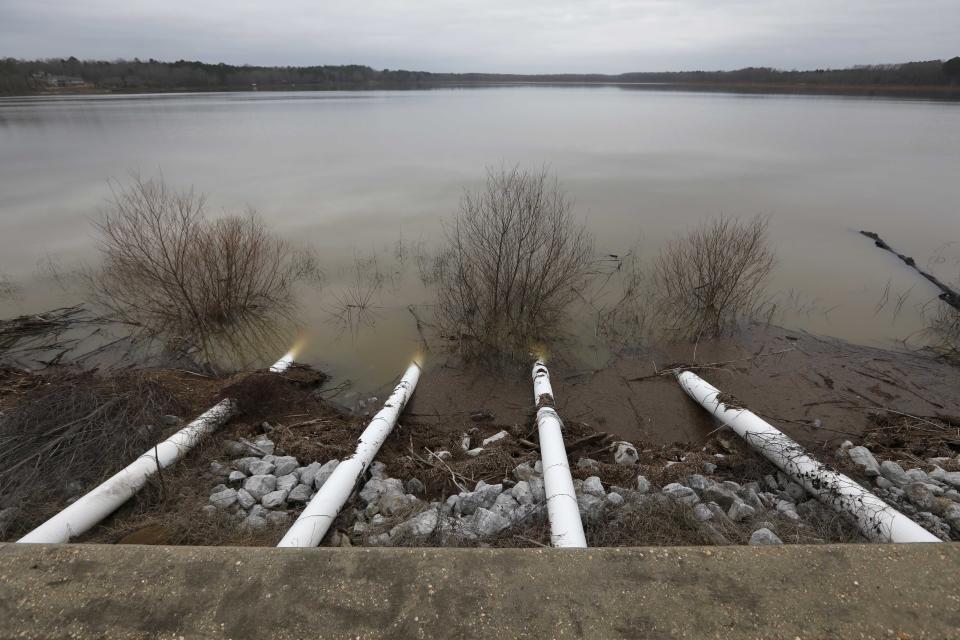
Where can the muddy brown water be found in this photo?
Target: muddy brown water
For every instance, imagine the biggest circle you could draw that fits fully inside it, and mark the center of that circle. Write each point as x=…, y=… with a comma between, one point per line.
x=364, y=175
x=820, y=391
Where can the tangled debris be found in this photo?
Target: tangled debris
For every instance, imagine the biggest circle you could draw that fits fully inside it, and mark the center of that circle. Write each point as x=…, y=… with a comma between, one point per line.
x=68, y=431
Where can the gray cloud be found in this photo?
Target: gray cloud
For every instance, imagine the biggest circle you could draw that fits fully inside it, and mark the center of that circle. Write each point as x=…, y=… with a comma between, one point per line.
x=494, y=35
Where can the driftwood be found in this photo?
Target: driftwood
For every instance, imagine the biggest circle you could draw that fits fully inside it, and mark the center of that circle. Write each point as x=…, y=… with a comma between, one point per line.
x=947, y=294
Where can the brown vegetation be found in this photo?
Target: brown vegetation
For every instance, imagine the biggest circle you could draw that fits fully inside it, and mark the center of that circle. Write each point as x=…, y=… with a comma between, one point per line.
x=516, y=258
x=944, y=331
x=222, y=286
x=711, y=279
x=8, y=289
x=661, y=521
x=67, y=432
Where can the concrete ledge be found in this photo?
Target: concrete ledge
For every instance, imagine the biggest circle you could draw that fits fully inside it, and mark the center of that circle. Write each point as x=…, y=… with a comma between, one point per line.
x=837, y=591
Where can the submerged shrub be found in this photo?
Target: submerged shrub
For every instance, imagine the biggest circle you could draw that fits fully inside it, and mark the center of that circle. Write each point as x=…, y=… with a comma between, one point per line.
x=515, y=258
x=222, y=285
x=712, y=278
x=943, y=330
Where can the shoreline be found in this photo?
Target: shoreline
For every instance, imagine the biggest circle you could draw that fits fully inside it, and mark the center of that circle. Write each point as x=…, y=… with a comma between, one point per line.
x=941, y=92
x=825, y=393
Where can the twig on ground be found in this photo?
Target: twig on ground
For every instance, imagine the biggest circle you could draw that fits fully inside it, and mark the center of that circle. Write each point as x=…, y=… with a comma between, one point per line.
x=713, y=365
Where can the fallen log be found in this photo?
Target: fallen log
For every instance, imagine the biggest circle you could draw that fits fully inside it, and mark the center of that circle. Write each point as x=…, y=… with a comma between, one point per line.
x=947, y=294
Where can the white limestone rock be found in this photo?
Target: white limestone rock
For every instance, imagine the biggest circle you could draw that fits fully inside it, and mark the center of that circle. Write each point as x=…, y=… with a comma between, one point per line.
x=862, y=457
x=300, y=494
x=284, y=465
x=625, y=453
x=594, y=486
x=260, y=485
x=273, y=499
x=764, y=536
x=223, y=499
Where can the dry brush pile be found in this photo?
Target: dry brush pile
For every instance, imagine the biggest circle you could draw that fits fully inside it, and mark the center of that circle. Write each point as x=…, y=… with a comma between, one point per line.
x=70, y=431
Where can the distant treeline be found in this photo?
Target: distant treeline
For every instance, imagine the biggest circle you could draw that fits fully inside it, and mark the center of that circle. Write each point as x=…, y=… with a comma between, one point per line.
x=71, y=74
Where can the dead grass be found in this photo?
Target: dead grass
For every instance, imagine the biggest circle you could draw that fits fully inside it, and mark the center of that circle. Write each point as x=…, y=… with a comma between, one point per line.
x=169, y=511
x=908, y=437
x=70, y=431
x=661, y=521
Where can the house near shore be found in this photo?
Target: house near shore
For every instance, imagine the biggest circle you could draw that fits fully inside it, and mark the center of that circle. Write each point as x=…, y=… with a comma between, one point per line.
x=59, y=81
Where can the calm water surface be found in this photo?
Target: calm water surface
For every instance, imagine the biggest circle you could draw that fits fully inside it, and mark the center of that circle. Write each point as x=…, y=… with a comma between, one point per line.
x=357, y=174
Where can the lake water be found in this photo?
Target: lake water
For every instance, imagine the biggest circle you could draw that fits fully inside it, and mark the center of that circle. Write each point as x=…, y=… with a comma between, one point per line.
x=358, y=174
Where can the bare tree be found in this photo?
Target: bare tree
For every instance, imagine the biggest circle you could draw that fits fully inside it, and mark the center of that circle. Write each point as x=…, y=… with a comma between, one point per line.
x=516, y=257
x=9, y=290
x=220, y=285
x=708, y=280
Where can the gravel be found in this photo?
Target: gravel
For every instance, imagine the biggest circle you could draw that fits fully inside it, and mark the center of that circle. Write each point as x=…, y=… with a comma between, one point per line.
x=788, y=509
x=416, y=487
x=591, y=506
x=223, y=499
x=285, y=465
x=625, y=453
x=260, y=485
x=245, y=499
x=325, y=471
x=309, y=472
x=260, y=468
x=721, y=495
x=482, y=497
x=300, y=494
x=894, y=473
x=489, y=510
x=740, y=511
x=273, y=499
x=254, y=522
x=522, y=492
x=764, y=536
x=681, y=493
x=594, y=486
x=486, y=523
x=920, y=495
x=643, y=485
x=420, y=525
x=861, y=456
x=497, y=437
x=702, y=512
x=287, y=482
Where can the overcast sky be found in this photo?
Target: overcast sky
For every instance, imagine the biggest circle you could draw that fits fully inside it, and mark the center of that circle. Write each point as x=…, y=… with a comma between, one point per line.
x=607, y=36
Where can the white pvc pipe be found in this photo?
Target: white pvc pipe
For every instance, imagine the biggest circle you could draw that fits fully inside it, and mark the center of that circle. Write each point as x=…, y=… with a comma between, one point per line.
x=566, y=528
x=96, y=505
x=107, y=497
x=283, y=363
x=319, y=514
x=876, y=519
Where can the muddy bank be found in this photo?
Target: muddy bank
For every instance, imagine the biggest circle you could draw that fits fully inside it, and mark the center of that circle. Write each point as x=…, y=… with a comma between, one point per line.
x=820, y=391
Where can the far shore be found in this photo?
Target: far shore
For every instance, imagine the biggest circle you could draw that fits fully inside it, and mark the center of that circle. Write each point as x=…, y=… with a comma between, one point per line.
x=942, y=92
